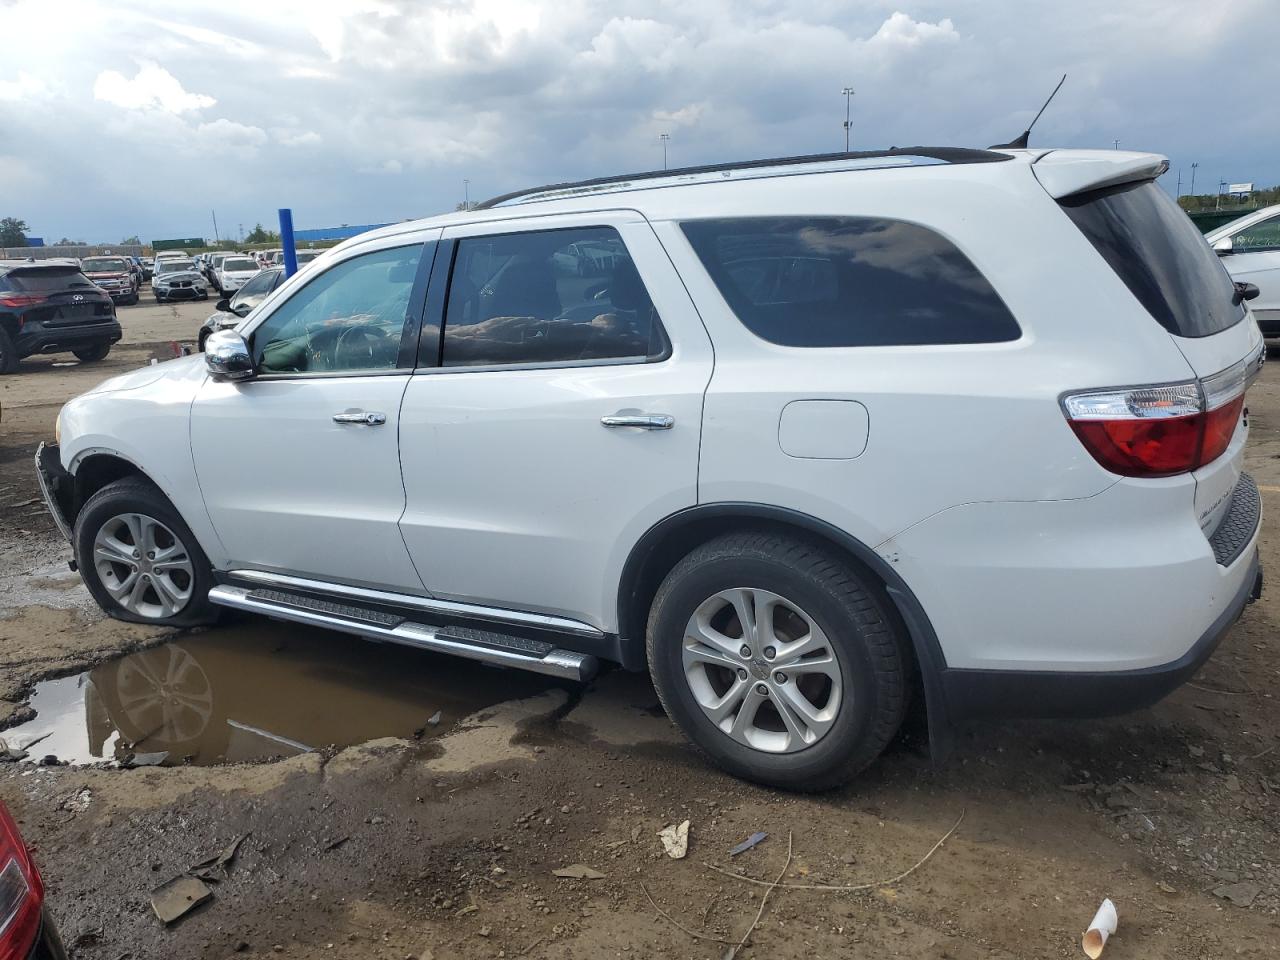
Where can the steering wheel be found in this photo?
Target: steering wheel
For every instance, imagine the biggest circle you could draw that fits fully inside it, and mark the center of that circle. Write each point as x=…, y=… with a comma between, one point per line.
x=349, y=346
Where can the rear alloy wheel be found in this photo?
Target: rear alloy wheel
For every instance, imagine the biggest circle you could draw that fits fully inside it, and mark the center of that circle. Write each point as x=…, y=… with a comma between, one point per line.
x=139, y=559
x=778, y=659
x=92, y=354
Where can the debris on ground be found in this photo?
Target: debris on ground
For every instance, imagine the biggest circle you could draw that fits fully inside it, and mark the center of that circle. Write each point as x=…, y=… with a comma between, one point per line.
x=77, y=802
x=748, y=843
x=578, y=871
x=144, y=759
x=1101, y=927
x=174, y=899
x=11, y=754
x=1241, y=894
x=675, y=840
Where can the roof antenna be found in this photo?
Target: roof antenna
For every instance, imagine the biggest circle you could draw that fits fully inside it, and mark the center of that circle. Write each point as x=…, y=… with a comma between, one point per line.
x=1020, y=143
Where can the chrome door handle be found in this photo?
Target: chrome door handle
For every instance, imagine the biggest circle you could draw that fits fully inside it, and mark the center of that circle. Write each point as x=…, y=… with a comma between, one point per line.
x=369, y=419
x=647, y=421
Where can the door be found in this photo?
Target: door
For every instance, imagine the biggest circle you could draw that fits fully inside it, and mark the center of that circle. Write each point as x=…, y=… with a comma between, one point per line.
x=299, y=466
x=563, y=417
x=1255, y=258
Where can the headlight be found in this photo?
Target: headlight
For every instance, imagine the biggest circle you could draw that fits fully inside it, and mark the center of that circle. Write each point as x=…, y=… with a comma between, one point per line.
x=57, y=428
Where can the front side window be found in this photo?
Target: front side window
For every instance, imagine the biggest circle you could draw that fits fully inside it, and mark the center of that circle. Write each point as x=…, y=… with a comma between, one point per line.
x=848, y=282
x=552, y=296
x=1261, y=236
x=254, y=292
x=348, y=319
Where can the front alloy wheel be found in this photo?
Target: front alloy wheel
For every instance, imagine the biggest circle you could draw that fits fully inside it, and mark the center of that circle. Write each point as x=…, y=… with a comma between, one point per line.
x=762, y=670
x=143, y=565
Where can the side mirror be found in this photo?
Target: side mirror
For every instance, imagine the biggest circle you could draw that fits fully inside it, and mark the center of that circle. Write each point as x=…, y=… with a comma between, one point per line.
x=1223, y=247
x=227, y=356
x=224, y=305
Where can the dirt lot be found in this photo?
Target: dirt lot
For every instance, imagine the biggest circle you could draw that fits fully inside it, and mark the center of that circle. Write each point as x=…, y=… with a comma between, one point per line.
x=443, y=845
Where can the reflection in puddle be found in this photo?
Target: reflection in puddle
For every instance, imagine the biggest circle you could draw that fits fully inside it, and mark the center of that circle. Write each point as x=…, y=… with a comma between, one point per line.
x=257, y=690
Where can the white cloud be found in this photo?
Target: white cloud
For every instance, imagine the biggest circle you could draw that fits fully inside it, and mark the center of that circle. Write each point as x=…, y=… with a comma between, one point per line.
x=228, y=135
x=152, y=86
x=902, y=31
x=296, y=138
x=26, y=87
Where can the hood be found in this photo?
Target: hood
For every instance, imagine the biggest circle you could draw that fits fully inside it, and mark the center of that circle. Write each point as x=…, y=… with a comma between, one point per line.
x=180, y=369
x=180, y=275
x=106, y=274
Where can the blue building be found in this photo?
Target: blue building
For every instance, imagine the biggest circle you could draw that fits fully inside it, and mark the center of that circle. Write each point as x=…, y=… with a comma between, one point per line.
x=333, y=233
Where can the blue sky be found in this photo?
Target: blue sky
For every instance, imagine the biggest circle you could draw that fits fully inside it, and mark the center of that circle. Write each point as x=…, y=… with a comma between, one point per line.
x=142, y=117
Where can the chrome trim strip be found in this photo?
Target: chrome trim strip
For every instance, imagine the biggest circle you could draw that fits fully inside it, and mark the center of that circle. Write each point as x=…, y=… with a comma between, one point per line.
x=59, y=520
x=451, y=608
x=557, y=663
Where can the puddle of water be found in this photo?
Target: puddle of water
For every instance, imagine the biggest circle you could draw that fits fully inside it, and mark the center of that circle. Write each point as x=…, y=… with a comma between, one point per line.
x=258, y=690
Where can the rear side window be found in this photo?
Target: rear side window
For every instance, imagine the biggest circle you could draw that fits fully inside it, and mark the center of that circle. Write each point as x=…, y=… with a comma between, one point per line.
x=549, y=296
x=1160, y=255
x=1264, y=236
x=848, y=282
x=46, y=279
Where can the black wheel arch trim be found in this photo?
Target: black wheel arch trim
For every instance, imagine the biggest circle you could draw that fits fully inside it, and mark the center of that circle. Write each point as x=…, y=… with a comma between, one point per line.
x=924, y=640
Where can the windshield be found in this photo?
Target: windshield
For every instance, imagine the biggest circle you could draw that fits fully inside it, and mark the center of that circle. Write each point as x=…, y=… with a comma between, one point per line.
x=174, y=266
x=306, y=256
x=1160, y=255
x=103, y=265
x=45, y=279
x=239, y=263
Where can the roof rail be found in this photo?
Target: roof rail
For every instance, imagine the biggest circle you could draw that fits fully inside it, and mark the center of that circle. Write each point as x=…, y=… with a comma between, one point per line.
x=942, y=154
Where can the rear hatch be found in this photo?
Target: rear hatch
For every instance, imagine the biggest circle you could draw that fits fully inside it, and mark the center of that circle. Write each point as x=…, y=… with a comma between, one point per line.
x=1165, y=262
x=60, y=295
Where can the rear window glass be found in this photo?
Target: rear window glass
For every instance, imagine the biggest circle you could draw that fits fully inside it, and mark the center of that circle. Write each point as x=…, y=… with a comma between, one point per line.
x=46, y=279
x=1160, y=255
x=849, y=282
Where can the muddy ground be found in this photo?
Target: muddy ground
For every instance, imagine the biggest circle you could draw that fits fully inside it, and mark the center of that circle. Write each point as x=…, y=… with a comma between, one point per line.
x=443, y=844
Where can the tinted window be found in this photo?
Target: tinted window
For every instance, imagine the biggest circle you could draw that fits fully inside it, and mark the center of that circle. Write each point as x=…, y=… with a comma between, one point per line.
x=848, y=282
x=548, y=297
x=46, y=279
x=1261, y=236
x=1160, y=255
x=349, y=318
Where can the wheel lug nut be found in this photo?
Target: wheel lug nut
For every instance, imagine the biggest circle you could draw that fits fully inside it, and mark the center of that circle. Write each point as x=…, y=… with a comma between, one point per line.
x=742, y=674
x=762, y=689
x=745, y=651
x=151, y=554
x=770, y=653
x=136, y=554
x=780, y=677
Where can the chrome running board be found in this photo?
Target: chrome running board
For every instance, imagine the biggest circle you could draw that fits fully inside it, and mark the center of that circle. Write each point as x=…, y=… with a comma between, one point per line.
x=447, y=608
x=485, y=646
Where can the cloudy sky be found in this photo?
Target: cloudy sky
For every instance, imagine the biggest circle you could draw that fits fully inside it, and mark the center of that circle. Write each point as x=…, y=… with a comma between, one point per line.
x=128, y=116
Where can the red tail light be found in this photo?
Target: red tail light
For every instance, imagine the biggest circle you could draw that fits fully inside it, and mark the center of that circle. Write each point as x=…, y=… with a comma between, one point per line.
x=1163, y=430
x=21, y=299
x=21, y=893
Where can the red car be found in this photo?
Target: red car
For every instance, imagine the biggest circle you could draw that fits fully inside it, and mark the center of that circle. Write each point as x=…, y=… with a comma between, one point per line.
x=26, y=929
x=114, y=275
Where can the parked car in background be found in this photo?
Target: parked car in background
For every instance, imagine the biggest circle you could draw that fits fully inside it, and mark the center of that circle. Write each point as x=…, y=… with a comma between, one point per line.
x=266, y=257
x=27, y=930
x=211, y=263
x=805, y=441
x=306, y=256
x=114, y=275
x=229, y=312
x=178, y=280
x=234, y=272
x=148, y=264
x=49, y=306
x=1250, y=250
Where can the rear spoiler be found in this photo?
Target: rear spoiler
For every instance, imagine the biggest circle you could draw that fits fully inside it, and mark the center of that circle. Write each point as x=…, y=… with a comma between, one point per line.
x=1064, y=172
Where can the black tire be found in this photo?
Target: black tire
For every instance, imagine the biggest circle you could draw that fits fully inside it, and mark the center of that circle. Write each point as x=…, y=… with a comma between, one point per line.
x=871, y=654
x=92, y=354
x=158, y=300
x=136, y=495
x=8, y=353
x=200, y=342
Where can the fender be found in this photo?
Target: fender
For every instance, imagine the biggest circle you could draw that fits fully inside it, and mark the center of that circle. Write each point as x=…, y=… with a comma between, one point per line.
x=695, y=524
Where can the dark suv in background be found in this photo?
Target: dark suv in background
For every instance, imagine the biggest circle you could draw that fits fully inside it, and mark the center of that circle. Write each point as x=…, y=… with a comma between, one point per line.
x=50, y=306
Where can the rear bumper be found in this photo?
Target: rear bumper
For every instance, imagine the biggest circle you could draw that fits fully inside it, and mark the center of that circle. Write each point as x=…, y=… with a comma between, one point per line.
x=1044, y=694
x=37, y=338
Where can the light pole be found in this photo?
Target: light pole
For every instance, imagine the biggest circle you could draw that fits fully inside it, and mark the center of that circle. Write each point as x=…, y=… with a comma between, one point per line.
x=848, y=96
x=1117, y=143
x=665, y=138
x=466, y=194
x=1193, y=178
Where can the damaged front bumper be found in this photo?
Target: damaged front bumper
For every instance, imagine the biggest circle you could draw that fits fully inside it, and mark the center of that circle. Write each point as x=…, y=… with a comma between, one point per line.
x=55, y=486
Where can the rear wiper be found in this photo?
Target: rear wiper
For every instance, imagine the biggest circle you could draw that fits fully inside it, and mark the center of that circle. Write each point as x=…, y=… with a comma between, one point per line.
x=1244, y=291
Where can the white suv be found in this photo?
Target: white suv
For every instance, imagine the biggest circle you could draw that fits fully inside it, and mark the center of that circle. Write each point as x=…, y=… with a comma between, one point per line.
x=796, y=436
